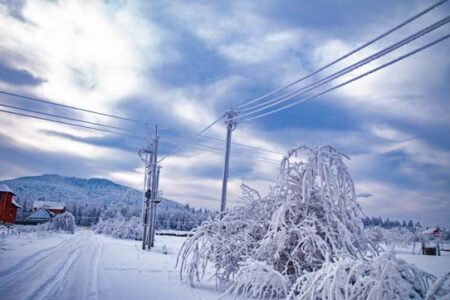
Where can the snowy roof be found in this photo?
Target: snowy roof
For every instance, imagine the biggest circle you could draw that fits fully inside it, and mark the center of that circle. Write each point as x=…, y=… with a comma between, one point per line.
x=16, y=204
x=48, y=205
x=5, y=188
x=40, y=214
x=431, y=230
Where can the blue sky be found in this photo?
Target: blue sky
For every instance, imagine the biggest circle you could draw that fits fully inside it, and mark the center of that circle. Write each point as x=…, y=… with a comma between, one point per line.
x=182, y=64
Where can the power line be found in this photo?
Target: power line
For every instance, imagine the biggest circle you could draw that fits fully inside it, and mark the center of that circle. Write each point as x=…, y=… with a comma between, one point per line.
x=104, y=114
x=188, y=142
x=185, y=132
x=62, y=117
x=270, y=103
x=423, y=12
x=348, y=81
x=35, y=99
x=211, y=149
x=71, y=124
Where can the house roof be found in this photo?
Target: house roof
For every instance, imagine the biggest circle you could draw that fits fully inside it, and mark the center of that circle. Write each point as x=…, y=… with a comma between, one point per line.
x=5, y=188
x=431, y=230
x=40, y=214
x=48, y=205
x=16, y=204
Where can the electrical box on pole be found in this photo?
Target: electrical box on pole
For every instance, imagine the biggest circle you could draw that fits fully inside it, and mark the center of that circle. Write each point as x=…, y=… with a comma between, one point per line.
x=231, y=125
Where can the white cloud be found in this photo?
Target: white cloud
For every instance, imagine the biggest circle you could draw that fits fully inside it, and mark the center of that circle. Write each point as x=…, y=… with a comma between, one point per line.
x=87, y=54
x=407, y=90
x=241, y=35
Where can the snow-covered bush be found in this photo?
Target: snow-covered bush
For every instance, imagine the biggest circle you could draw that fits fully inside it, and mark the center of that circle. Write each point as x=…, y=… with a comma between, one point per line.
x=396, y=236
x=256, y=279
x=120, y=228
x=281, y=244
x=63, y=222
x=440, y=289
x=384, y=277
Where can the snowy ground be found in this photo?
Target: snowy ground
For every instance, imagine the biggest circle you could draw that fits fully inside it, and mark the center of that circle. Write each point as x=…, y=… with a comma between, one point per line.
x=90, y=266
x=436, y=265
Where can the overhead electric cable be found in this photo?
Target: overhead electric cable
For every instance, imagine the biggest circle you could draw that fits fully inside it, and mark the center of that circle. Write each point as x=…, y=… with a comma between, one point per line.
x=219, y=139
x=71, y=124
x=270, y=103
x=188, y=142
x=348, y=81
x=418, y=15
x=62, y=117
x=35, y=99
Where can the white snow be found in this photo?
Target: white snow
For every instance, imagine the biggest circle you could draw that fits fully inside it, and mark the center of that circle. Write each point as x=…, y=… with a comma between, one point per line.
x=86, y=265
x=436, y=265
x=48, y=205
x=92, y=266
x=5, y=188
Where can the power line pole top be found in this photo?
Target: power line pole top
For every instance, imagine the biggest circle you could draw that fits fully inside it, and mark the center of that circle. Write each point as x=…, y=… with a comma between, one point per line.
x=231, y=121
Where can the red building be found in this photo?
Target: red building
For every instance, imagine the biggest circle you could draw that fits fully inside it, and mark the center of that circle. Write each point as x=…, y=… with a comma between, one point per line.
x=53, y=207
x=8, y=207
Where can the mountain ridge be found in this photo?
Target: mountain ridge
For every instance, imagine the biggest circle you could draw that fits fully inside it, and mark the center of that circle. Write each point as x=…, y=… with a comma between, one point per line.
x=54, y=187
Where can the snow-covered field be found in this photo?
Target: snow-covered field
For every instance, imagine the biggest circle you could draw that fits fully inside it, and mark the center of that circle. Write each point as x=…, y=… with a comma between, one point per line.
x=91, y=266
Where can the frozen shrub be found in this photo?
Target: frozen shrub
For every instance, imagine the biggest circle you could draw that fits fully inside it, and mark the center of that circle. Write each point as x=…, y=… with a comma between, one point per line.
x=286, y=242
x=384, y=277
x=120, y=228
x=63, y=222
x=396, y=236
x=440, y=289
x=256, y=279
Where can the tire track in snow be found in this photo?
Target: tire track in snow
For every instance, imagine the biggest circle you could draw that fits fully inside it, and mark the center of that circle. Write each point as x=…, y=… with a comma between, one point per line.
x=29, y=261
x=53, y=286
x=30, y=274
x=95, y=263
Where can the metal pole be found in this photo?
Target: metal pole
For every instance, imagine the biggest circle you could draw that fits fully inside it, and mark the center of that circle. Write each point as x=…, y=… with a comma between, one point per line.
x=231, y=125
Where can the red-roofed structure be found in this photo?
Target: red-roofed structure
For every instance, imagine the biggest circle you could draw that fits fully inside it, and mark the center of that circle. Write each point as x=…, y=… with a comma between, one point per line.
x=8, y=207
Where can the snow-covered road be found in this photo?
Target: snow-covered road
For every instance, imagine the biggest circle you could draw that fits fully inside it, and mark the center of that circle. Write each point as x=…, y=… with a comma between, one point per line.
x=67, y=270
x=90, y=266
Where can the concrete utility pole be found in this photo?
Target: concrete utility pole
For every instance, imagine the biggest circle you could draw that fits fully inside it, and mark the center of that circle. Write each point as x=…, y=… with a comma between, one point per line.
x=231, y=125
x=151, y=178
x=154, y=191
x=146, y=207
x=155, y=201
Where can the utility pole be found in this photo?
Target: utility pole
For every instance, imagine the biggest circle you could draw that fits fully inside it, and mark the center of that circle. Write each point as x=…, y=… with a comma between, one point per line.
x=146, y=207
x=231, y=125
x=155, y=201
x=152, y=171
x=154, y=191
x=151, y=191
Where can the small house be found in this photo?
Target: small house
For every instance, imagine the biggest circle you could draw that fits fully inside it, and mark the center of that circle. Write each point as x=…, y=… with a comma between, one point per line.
x=8, y=206
x=433, y=233
x=53, y=207
x=41, y=215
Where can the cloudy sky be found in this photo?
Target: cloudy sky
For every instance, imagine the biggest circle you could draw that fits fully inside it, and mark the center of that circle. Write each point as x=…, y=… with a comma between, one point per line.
x=182, y=64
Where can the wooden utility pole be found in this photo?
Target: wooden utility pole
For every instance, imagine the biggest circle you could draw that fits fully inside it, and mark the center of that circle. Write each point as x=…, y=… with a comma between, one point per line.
x=231, y=125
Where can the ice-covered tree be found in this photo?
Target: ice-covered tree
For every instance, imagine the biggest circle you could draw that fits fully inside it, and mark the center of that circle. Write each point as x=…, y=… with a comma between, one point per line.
x=309, y=221
x=63, y=222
